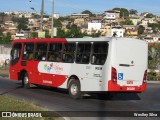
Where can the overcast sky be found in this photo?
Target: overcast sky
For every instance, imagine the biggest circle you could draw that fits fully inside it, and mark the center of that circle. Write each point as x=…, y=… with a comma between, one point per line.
x=67, y=7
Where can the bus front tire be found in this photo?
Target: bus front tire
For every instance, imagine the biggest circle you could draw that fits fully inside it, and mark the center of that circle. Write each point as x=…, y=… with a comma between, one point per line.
x=74, y=89
x=25, y=81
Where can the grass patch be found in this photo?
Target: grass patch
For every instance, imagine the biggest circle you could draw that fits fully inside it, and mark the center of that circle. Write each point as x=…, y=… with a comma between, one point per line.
x=11, y=104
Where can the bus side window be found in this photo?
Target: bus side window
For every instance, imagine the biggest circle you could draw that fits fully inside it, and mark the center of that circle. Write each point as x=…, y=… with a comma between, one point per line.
x=68, y=52
x=55, y=51
x=41, y=51
x=28, y=51
x=83, y=53
x=15, y=53
x=99, y=53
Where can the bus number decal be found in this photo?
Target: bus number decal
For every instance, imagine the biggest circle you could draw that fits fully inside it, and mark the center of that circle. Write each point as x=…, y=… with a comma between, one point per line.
x=98, y=68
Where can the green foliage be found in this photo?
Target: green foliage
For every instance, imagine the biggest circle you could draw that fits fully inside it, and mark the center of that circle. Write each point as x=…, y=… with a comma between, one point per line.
x=6, y=39
x=154, y=56
x=154, y=26
x=60, y=33
x=22, y=23
x=74, y=32
x=12, y=104
x=34, y=35
x=2, y=15
x=36, y=15
x=57, y=23
x=150, y=15
x=126, y=22
x=47, y=35
x=88, y=12
x=124, y=13
x=133, y=11
x=141, y=29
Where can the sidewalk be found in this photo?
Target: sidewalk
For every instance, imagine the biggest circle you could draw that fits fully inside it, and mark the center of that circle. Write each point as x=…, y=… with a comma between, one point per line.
x=4, y=73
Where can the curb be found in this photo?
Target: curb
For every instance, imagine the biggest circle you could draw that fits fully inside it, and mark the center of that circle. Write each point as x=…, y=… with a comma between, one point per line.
x=153, y=81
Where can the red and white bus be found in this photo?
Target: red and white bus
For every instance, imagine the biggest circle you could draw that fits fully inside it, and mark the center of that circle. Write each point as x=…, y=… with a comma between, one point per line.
x=81, y=64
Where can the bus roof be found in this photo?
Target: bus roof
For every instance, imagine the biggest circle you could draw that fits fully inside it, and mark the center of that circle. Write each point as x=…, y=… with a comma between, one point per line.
x=64, y=39
x=85, y=39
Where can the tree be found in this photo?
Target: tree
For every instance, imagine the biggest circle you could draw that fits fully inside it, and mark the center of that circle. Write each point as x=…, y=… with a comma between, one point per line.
x=124, y=13
x=150, y=15
x=133, y=11
x=60, y=33
x=88, y=12
x=6, y=38
x=154, y=26
x=74, y=32
x=2, y=15
x=57, y=23
x=126, y=22
x=47, y=35
x=141, y=29
x=22, y=23
x=34, y=34
x=154, y=55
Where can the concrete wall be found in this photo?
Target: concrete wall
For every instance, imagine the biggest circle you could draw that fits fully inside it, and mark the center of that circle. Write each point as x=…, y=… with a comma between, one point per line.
x=4, y=53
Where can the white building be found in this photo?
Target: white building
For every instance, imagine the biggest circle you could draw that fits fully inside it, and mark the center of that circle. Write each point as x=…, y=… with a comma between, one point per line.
x=94, y=26
x=145, y=21
x=119, y=32
x=56, y=15
x=111, y=15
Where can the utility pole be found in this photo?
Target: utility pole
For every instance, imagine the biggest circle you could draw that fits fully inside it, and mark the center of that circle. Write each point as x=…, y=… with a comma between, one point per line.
x=52, y=27
x=42, y=12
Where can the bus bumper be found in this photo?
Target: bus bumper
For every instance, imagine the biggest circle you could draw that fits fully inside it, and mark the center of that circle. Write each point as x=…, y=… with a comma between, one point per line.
x=113, y=86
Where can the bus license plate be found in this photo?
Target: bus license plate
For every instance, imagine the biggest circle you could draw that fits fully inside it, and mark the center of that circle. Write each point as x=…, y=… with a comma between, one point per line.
x=130, y=88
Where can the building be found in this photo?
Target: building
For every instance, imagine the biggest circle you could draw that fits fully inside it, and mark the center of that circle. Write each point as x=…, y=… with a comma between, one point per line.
x=145, y=21
x=80, y=16
x=79, y=21
x=130, y=27
x=108, y=30
x=94, y=26
x=118, y=31
x=131, y=33
x=136, y=20
x=111, y=15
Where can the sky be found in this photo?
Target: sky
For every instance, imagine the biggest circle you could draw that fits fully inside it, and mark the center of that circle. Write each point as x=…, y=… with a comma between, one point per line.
x=67, y=7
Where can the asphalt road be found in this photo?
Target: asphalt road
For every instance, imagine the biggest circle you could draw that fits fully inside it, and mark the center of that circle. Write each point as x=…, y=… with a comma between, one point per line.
x=59, y=100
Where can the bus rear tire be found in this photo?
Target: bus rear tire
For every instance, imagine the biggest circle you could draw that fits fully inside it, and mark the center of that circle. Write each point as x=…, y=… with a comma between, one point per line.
x=74, y=89
x=25, y=81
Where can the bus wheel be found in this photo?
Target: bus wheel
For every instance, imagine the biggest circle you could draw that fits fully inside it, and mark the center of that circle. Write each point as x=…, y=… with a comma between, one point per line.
x=25, y=81
x=74, y=89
